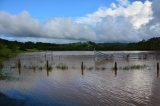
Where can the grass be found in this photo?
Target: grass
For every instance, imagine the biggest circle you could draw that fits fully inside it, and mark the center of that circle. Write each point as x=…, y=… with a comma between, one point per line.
x=133, y=67
x=2, y=77
x=6, y=53
x=62, y=67
x=49, y=68
x=40, y=68
x=100, y=68
x=90, y=68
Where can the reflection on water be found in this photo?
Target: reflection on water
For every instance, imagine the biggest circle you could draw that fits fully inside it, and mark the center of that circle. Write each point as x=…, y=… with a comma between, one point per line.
x=82, y=78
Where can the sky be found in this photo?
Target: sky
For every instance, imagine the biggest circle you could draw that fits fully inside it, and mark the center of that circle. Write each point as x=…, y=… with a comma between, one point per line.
x=66, y=21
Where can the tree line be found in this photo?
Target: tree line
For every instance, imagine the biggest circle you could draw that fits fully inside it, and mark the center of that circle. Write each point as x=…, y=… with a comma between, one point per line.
x=151, y=44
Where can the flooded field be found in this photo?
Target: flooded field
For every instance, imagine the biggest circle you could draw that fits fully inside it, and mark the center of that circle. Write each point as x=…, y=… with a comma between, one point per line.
x=81, y=78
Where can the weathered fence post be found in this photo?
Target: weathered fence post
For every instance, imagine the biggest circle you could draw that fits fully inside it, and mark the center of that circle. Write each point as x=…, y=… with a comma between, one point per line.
x=157, y=69
x=19, y=66
x=115, y=68
x=157, y=65
x=47, y=66
x=82, y=67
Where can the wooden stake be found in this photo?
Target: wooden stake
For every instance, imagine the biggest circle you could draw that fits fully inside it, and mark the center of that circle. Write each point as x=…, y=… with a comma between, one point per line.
x=115, y=66
x=47, y=68
x=19, y=66
x=157, y=69
x=82, y=67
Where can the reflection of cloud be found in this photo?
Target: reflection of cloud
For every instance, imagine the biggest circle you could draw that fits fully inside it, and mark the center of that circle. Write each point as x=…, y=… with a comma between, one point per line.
x=142, y=83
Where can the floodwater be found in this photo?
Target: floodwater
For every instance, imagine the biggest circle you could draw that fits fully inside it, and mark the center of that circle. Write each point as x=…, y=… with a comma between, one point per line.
x=60, y=78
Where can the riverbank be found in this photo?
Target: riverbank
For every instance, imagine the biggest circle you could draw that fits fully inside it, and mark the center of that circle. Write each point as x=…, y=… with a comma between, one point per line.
x=6, y=53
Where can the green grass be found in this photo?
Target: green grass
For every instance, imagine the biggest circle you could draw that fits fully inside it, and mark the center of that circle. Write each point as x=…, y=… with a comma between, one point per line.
x=133, y=67
x=33, y=50
x=2, y=77
x=62, y=67
x=6, y=53
x=49, y=68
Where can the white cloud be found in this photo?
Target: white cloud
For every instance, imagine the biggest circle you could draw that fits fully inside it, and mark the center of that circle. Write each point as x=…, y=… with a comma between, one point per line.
x=19, y=24
x=122, y=22
x=66, y=28
x=63, y=28
x=138, y=12
x=116, y=30
x=123, y=2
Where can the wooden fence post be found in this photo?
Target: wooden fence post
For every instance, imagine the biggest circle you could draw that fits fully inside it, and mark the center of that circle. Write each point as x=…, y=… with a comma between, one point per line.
x=82, y=67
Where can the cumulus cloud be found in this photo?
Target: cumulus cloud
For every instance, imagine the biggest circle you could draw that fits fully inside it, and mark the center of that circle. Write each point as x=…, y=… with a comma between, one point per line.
x=139, y=13
x=23, y=25
x=153, y=27
x=123, y=2
x=123, y=21
x=19, y=25
x=116, y=30
x=67, y=28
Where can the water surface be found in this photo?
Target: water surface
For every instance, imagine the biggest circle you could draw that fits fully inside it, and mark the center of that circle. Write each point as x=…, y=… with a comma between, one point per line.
x=32, y=84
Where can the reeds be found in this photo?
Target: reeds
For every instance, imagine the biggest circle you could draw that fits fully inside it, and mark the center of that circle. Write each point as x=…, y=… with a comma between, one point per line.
x=133, y=67
x=40, y=68
x=62, y=67
x=49, y=68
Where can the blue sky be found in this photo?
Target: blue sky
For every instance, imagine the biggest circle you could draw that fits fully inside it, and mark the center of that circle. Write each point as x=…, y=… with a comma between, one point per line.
x=63, y=21
x=43, y=9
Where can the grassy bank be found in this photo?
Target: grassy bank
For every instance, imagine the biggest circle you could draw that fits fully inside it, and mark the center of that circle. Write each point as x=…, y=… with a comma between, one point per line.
x=6, y=53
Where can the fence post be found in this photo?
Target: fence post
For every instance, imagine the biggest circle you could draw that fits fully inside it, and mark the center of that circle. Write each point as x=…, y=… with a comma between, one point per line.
x=115, y=65
x=19, y=66
x=115, y=68
x=157, y=69
x=47, y=68
x=82, y=67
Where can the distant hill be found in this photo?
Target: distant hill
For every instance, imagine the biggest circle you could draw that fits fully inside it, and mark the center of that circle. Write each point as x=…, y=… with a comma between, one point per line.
x=151, y=44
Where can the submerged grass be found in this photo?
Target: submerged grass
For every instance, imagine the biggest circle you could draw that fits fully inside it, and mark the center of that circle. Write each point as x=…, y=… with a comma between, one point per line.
x=40, y=68
x=62, y=67
x=6, y=52
x=2, y=77
x=49, y=68
x=133, y=67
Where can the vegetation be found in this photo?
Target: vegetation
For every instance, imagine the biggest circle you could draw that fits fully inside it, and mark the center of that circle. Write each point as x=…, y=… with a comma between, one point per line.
x=62, y=67
x=2, y=76
x=40, y=68
x=49, y=68
x=133, y=67
x=9, y=47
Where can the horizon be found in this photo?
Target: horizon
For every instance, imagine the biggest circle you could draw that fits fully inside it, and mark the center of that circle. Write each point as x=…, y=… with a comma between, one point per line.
x=107, y=21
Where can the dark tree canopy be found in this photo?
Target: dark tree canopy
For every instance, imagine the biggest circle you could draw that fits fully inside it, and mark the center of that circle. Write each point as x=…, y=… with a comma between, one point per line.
x=151, y=44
